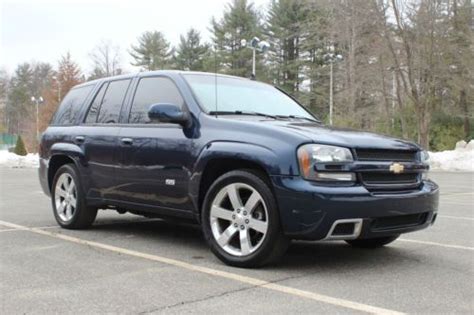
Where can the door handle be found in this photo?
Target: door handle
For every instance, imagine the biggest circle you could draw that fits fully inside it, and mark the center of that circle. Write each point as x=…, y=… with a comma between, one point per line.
x=127, y=141
x=79, y=139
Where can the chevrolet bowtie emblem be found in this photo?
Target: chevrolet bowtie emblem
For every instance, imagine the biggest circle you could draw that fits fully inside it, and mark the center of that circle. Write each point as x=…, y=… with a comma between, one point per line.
x=397, y=168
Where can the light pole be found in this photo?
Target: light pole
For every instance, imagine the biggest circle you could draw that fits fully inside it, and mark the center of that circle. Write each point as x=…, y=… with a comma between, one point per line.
x=331, y=57
x=37, y=101
x=256, y=45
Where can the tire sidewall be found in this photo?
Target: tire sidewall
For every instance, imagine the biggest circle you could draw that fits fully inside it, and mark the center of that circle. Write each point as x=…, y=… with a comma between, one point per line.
x=72, y=171
x=264, y=251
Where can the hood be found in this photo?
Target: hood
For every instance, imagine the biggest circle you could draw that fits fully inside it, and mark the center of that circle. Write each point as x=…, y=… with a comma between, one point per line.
x=345, y=137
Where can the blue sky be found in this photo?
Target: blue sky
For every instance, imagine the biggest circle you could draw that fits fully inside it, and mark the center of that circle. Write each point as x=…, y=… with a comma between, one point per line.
x=43, y=30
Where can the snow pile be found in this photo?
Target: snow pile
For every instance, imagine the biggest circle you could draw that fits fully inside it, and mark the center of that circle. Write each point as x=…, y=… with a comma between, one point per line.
x=459, y=159
x=9, y=159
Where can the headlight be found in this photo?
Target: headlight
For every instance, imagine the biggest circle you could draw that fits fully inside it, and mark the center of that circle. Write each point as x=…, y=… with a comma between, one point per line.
x=310, y=154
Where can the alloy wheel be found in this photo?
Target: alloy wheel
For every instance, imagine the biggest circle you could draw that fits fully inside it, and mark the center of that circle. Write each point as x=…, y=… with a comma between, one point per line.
x=239, y=219
x=65, y=197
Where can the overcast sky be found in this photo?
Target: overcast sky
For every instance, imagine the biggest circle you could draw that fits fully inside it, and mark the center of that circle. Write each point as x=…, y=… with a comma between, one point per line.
x=43, y=30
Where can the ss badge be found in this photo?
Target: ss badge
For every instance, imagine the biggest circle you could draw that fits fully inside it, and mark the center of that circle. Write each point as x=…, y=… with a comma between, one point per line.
x=170, y=182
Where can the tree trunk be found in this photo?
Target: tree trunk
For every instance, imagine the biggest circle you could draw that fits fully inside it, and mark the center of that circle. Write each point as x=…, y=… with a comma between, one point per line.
x=465, y=109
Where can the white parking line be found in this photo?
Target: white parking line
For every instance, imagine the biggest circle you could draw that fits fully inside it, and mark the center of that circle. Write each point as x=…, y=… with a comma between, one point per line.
x=457, y=194
x=218, y=273
x=436, y=244
x=455, y=217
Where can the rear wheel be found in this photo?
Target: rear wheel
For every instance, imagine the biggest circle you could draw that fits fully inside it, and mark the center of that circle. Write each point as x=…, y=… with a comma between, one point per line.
x=241, y=222
x=373, y=242
x=69, y=206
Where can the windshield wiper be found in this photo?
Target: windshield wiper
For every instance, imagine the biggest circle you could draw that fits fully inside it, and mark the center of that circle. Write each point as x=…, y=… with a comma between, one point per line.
x=298, y=117
x=241, y=112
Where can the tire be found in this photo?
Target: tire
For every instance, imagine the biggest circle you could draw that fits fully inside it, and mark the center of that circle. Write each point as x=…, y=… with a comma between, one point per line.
x=373, y=242
x=249, y=236
x=69, y=204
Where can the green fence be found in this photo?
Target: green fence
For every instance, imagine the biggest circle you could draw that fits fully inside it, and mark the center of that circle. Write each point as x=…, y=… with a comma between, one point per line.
x=7, y=141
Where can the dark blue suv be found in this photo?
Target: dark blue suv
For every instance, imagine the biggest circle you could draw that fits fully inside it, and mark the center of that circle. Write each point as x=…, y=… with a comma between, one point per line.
x=240, y=157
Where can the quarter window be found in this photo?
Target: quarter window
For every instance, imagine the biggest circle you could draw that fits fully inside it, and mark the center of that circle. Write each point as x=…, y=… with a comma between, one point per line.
x=70, y=108
x=95, y=106
x=109, y=111
x=151, y=91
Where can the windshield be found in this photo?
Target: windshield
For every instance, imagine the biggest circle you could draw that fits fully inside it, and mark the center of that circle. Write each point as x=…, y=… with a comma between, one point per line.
x=243, y=96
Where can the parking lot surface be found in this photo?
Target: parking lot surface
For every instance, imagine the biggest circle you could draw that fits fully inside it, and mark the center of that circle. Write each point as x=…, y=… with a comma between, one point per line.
x=129, y=264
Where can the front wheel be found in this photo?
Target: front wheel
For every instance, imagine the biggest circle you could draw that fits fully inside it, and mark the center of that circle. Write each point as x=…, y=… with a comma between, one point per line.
x=373, y=242
x=241, y=222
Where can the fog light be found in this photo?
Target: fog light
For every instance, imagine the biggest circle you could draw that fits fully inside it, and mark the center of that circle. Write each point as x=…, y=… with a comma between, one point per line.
x=330, y=176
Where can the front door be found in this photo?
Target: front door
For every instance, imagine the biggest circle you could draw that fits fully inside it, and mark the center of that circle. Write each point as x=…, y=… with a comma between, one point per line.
x=155, y=158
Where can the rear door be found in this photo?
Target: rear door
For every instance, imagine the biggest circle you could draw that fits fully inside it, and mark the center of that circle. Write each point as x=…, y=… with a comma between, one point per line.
x=98, y=136
x=155, y=158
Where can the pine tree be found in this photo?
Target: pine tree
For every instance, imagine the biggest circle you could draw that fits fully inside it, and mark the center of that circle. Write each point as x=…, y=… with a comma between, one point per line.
x=69, y=74
x=152, y=52
x=20, y=147
x=284, y=27
x=191, y=53
x=241, y=21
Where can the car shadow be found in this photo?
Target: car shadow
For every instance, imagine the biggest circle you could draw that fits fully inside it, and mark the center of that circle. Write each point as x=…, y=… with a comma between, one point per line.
x=301, y=255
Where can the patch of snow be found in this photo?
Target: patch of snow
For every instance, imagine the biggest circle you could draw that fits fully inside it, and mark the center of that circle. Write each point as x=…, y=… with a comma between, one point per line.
x=9, y=159
x=459, y=159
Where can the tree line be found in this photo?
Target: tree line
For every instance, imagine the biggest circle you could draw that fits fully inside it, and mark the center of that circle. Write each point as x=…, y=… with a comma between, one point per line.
x=403, y=68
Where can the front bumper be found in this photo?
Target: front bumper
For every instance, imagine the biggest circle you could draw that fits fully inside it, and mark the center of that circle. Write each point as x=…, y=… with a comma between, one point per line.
x=308, y=210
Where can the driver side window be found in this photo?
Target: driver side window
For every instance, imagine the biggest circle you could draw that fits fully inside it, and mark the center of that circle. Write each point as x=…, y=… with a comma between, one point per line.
x=151, y=91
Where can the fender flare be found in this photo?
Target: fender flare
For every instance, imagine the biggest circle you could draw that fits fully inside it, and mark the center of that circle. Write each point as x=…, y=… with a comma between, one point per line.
x=248, y=152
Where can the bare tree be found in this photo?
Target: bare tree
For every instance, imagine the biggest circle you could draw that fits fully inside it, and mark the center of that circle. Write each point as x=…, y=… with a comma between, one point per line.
x=106, y=60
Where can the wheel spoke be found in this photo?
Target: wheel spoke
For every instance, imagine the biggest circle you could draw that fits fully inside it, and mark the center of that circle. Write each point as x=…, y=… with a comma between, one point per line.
x=61, y=207
x=61, y=192
x=234, y=196
x=221, y=213
x=252, y=202
x=68, y=211
x=73, y=201
x=225, y=237
x=245, y=245
x=71, y=187
x=257, y=225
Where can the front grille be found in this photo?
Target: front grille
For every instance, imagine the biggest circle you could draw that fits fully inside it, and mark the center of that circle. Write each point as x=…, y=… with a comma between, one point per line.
x=385, y=155
x=389, y=178
x=400, y=221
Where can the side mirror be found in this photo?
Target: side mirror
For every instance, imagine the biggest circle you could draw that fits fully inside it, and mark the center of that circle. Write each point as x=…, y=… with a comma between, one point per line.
x=168, y=113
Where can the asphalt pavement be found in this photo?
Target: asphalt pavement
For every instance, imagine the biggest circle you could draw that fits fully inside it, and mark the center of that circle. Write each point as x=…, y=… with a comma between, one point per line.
x=128, y=264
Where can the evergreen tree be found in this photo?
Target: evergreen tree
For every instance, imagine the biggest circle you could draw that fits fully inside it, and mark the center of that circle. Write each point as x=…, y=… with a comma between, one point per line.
x=191, y=52
x=241, y=21
x=284, y=27
x=69, y=74
x=20, y=147
x=152, y=52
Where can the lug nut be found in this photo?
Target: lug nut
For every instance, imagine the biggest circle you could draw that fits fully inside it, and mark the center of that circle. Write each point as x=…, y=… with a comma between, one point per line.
x=242, y=227
x=247, y=221
x=245, y=212
x=238, y=210
x=235, y=224
x=233, y=216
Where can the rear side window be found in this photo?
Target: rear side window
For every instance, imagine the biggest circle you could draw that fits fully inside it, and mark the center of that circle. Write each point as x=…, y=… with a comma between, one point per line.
x=95, y=106
x=151, y=91
x=109, y=111
x=70, y=108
